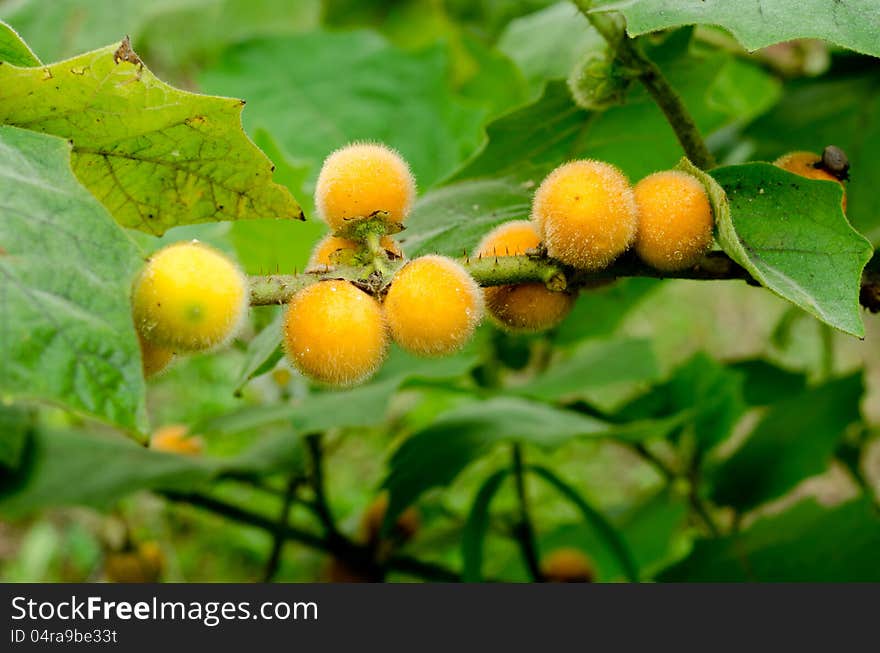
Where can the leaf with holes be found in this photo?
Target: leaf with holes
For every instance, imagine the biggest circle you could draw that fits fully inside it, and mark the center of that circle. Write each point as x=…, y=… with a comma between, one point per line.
x=155, y=156
x=66, y=268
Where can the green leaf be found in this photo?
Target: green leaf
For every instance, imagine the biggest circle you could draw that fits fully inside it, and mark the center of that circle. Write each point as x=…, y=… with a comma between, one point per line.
x=262, y=354
x=75, y=468
x=806, y=543
x=765, y=383
x=616, y=365
x=434, y=456
x=451, y=220
x=66, y=271
x=378, y=92
x=791, y=235
x=16, y=423
x=603, y=528
x=13, y=49
x=155, y=156
x=842, y=110
x=362, y=406
x=636, y=136
x=796, y=439
x=474, y=531
x=853, y=24
x=548, y=43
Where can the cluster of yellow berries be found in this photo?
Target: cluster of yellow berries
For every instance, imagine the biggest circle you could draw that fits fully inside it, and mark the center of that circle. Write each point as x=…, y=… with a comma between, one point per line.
x=585, y=214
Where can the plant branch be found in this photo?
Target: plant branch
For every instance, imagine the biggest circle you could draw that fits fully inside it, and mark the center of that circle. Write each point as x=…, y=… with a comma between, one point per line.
x=611, y=27
x=278, y=539
x=339, y=547
x=321, y=505
x=524, y=530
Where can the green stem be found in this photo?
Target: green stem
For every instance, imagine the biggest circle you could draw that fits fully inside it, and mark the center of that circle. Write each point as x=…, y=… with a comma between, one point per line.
x=278, y=539
x=610, y=26
x=322, y=506
x=827, y=363
x=524, y=530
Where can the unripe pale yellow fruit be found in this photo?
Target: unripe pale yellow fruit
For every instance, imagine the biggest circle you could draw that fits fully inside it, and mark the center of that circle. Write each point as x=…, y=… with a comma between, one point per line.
x=567, y=565
x=675, y=220
x=175, y=438
x=522, y=307
x=143, y=564
x=333, y=250
x=807, y=164
x=360, y=179
x=433, y=306
x=154, y=358
x=335, y=333
x=586, y=214
x=189, y=297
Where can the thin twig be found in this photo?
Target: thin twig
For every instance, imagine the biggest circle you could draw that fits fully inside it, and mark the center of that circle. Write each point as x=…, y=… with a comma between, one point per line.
x=279, y=539
x=321, y=505
x=524, y=530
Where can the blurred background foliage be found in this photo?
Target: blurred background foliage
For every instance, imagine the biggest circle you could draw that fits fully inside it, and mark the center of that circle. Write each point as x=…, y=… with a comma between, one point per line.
x=751, y=393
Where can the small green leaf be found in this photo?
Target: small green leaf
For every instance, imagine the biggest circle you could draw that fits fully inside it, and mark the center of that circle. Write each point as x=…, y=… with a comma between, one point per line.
x=791, y=235
x=14, y=50
x=853, y=24
x=155, y=156
x=74, y=468
x=795, y=439
x=765, y=384
x=474, y=531
x=597, y=521
x=65, y=281
x=434, y=456
x=806, y=543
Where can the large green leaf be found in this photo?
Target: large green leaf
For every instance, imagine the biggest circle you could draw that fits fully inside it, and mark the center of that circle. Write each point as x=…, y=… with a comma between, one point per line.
x=351, y=86
x=72, y=468
x=155, y=156
x=451, y=220
x=791, y=235
x=434, y=455
x=854, y=24
x=365, y=405
x=13, y=50
x=65, y=279
x=595, y=365
x=806, y=543
x=636, y=136
x=795, y=439
x=843, y=110
x=548, y=43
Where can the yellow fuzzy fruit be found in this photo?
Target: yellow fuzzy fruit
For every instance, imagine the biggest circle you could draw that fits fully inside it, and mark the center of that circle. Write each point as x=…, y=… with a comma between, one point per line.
x=189, y=297
x=333, y=250
x=675, y=220
x=361, y=179
x=335, y=333
x=433, y=306
x=806, y=164
x=175, y=438
x=154, y=358
x=522, y=307
x=405, y=528
x=567, y=565
x=586, y=214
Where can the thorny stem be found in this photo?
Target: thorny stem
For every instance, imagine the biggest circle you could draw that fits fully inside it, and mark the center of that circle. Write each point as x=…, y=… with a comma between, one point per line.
x=525, y=530
x=611, y=27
